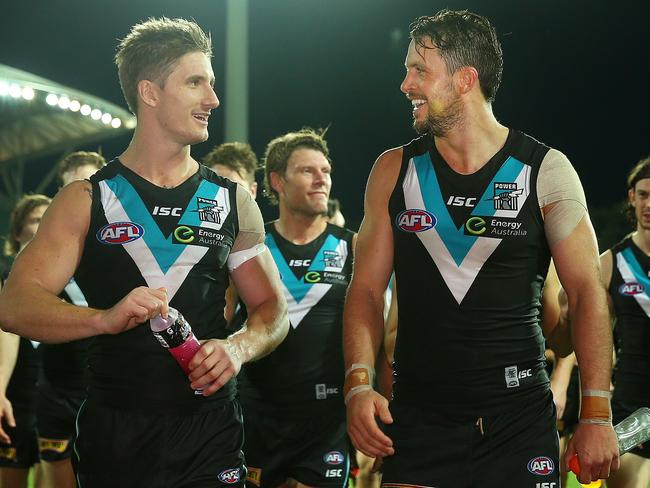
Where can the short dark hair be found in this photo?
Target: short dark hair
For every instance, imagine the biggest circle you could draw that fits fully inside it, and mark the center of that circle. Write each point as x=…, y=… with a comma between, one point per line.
x=280, y=149
x=78, y=159
x=23, y=208
x=641, y=171
x=237, y=156
x=463, y=38
x=152, y=48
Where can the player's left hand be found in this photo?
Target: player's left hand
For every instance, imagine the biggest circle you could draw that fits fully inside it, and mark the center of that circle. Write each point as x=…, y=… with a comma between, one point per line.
x=597, y=450
x=6, y=417
x=214, y=364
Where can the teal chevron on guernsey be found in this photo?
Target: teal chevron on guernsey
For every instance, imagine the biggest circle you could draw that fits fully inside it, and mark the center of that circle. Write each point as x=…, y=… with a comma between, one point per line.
x=456, y=241
x=632, y=272
x=460, y=257
x=160, y=261
x=163, y=250
x=302, y=295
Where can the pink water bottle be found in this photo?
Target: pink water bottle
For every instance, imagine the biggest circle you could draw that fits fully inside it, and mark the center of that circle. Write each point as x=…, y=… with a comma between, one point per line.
x=175, y=335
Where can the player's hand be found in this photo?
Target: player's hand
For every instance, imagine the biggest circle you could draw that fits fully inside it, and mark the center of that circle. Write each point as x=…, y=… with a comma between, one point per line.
x=6, y=415
x=597, y=450
x=559, y=398
x=214, y=364
x=362, y=426
x=140, y=305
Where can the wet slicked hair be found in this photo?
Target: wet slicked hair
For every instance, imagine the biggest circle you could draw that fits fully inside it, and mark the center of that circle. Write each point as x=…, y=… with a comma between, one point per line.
x=23, y=208
x=152, y=48
x=463, y=38
x=237, y=156
x=641, y=171
x=280, y=149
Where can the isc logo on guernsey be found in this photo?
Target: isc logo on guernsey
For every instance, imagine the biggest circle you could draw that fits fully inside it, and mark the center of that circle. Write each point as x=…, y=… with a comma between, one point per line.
x=119, y=233
x=415, y=220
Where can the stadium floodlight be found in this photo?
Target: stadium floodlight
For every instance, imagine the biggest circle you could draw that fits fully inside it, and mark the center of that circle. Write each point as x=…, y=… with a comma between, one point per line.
x=4, y=88
x=106, y=118
x=27, y=93
x=64, y=102
x=116, y=123
x=15, y=90
x=75, y=106
x=85, y=109
x=96, y=114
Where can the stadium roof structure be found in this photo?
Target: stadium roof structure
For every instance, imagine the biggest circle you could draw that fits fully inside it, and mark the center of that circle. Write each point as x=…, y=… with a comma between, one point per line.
x=39, y=117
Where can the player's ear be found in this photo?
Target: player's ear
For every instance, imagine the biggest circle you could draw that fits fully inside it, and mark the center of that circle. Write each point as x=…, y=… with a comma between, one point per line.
x=277, y=182
x=148, y=93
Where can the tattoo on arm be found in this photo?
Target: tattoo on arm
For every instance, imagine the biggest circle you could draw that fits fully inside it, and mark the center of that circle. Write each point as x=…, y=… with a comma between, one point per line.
x=90, y=192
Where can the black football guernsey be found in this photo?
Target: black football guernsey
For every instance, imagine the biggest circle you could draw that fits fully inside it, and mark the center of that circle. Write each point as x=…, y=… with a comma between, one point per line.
x=64, y=364
x=144, y=235
x=470, y=258
x=21, y=388
x=630, y=292
x=305, y=372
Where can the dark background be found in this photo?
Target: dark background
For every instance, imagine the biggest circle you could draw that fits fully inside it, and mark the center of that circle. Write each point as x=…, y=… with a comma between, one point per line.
x=575, y=76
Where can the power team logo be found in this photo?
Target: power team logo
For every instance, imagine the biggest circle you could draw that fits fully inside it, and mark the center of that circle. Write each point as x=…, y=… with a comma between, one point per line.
x=631, y=289
x=209, y=210
x=230, y=476
x=332, y=259
x=506, y=196
x=541, y=465
x=119, y=233
x=334, y=458
x=415, y=220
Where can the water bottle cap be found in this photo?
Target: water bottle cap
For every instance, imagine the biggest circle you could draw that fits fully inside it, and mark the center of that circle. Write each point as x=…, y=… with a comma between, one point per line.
x=158, y=323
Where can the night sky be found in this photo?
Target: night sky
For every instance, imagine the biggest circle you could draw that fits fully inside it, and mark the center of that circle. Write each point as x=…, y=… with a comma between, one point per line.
x=575, y=74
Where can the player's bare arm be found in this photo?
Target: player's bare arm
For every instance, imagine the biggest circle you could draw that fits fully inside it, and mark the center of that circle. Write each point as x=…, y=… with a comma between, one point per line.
x=29, y=305
x=578, y=267
x=363, y=324
x=257, y=281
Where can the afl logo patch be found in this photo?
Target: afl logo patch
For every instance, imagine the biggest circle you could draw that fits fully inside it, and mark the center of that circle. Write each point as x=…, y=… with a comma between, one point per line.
x=541, y=465
x=333, y=458
x=631, y=289
x=229, y=476
x=415, y=220
x=119, y=233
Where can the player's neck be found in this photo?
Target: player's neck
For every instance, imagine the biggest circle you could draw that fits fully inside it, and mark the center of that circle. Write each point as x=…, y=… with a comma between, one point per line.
x=641, y=238
x=162, y=162
x=473, y=142
x=299, y=228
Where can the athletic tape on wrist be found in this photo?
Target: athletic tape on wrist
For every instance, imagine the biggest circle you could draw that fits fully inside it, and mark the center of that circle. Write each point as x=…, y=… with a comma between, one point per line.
x=597, y=393
x=354, y=390
x=595, y=407
x=359, y=377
